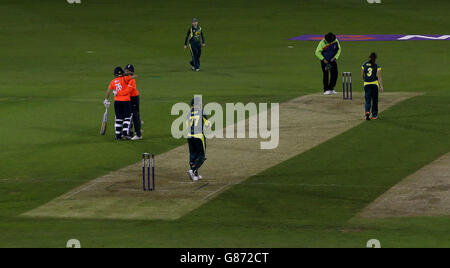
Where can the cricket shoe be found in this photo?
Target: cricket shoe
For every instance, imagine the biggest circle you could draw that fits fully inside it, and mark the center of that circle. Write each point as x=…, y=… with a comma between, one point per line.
x=333, y=92
x=127, y=138
x=367, y=116
x=192, y=175
x=374, y=118
x=199, y=177
x=136, y=137
x=327, y=92
x=197, y=70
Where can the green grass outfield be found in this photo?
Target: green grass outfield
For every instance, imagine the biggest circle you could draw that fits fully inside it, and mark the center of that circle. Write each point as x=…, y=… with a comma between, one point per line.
x=51, y=107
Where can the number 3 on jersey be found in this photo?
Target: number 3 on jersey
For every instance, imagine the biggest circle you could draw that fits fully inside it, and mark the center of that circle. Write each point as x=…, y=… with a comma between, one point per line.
x=369, y=72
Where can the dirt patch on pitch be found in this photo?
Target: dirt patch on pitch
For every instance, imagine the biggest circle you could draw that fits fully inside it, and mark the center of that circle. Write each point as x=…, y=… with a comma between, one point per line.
x=424, y=193
x=305, y=122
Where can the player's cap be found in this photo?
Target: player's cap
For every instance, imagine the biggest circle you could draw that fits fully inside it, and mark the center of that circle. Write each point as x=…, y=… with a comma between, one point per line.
x=118, y=71
x=129, y=67
x=194, y=20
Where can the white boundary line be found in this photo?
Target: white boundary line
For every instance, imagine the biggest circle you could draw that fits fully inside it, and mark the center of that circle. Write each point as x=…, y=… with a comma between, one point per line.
x=82, y=189
x=215, y=192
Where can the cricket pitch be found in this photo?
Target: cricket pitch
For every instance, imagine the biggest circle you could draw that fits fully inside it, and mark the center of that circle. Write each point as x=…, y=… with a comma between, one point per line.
x=305, y=122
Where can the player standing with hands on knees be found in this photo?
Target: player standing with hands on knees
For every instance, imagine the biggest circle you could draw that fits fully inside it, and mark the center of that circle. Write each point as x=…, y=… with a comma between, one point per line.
x=122, y=106
x=195, y=39
x=328, y=52
x=371, y=75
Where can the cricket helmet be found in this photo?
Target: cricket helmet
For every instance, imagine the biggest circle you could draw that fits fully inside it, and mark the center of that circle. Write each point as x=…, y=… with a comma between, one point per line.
x=129, y=67
x=118, y=71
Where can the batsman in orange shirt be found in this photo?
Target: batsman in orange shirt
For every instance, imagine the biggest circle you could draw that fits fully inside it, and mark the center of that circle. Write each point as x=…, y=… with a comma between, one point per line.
x=134, y=100
x=122, y=107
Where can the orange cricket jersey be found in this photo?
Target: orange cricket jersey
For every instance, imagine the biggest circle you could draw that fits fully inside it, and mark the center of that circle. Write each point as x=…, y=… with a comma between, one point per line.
x=132, y=83
x=121, y=87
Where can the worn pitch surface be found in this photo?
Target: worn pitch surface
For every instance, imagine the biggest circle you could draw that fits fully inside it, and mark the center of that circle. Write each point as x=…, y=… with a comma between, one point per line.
x=424, y=193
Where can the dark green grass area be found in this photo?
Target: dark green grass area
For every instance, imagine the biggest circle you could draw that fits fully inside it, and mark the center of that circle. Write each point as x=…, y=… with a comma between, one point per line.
x=308, y=201
x=51, y=108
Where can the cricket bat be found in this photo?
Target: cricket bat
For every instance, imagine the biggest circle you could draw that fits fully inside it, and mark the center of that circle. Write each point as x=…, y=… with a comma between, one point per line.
x=104, y=123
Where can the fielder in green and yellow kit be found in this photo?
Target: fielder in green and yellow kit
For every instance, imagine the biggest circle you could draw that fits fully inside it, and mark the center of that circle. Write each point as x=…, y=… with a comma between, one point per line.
x=196, y=122
x=195, y=40
x=371, y=74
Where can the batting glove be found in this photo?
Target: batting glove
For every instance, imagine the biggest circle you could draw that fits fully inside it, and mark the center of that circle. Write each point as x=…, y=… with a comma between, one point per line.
x=106, y=103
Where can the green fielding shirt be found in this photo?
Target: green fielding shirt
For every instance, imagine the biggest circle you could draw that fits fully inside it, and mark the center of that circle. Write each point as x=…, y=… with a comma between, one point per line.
x=370, y=73
x=194, y=35
x=196, y=122
x=323, y=44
